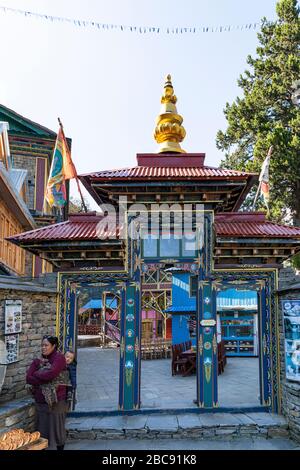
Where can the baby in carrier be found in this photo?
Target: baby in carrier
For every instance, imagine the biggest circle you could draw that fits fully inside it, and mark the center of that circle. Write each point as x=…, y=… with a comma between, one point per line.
x=71, y=366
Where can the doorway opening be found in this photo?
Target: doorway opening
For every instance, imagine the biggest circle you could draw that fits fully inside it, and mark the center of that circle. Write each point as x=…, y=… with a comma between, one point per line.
x=98, y=340
x=238, y=335
x=168, y=341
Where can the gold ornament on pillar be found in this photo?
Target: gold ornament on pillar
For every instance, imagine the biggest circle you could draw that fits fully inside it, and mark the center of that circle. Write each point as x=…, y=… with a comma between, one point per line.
x=169, y=130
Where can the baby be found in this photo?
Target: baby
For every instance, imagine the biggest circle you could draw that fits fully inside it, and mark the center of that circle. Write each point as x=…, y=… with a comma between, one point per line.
x=71, y=367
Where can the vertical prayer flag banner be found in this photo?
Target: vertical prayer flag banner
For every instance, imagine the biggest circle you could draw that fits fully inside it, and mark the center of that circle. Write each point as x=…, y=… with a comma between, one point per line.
x=56, y=189
x=264, y=178
x=265, y=192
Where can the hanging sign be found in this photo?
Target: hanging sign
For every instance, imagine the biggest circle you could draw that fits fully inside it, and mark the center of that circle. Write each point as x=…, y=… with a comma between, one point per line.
x=291, y=317
x=210, y=322
x=12, y=348
x=13, y=316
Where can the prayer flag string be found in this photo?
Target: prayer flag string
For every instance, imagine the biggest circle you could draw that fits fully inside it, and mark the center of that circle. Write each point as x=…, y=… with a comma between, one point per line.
x=132, y=29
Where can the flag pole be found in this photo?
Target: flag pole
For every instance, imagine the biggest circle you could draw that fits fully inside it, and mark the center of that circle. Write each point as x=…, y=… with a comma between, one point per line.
x=82, y=200
x=76, y=177
x=256, y=196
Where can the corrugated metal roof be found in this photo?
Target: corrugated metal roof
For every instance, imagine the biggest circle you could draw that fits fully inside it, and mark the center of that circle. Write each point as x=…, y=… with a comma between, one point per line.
x=18, y=283
x=255, y=229
x=251, y=224
x=165, y=172
x=89, y=227
x=83, y=227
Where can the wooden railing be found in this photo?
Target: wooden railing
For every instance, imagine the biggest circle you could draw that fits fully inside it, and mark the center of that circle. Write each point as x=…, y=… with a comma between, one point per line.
x=157, y=348
x=89, y=329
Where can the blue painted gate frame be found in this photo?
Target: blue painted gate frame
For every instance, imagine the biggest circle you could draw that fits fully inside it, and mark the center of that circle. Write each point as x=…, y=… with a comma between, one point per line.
x=129, y=282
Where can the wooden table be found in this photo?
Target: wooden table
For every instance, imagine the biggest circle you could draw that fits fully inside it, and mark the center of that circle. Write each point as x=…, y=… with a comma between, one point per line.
x=40, y=444
x=190, y=355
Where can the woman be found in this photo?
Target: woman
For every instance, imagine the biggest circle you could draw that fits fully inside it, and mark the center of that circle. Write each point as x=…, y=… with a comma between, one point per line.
x=50, y=417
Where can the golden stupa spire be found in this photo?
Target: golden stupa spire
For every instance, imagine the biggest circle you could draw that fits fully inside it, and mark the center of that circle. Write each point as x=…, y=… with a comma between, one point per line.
x=169, y=131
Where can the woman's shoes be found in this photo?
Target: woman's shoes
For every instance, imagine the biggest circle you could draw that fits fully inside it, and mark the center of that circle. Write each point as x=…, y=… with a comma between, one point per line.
x=60, y=447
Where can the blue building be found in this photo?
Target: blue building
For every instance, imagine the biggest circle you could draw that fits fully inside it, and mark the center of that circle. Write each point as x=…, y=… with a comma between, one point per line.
x=237, y=321
x=183, y=309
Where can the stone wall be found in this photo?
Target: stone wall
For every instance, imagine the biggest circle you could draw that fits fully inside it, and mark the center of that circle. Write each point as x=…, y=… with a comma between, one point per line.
x=17, y=414
x=290, y=390
x=287, y=276
x=38, y=319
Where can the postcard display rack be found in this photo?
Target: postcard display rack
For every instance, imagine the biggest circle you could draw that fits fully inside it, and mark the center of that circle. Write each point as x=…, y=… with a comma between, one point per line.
x=12, y=330
x=291, y=317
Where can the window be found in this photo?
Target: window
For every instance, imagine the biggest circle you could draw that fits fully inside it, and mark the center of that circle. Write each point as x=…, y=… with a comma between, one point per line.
x=189, y=245
x=150, y=247
x=169, y=247
x=159, y=328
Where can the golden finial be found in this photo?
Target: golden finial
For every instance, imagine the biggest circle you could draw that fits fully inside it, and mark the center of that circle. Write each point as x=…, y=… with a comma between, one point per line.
x=169, y=131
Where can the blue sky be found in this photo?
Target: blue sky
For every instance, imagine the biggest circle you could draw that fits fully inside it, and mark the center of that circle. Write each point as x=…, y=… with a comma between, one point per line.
x=106, y=85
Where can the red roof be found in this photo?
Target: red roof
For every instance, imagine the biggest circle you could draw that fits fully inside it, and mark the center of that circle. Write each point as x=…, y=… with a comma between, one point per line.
x=78, y=227
x=252, y=224
x=154, y=172
x=86, y=227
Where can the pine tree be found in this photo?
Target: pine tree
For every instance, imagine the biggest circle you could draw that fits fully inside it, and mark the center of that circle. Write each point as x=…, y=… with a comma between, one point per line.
x=268, y=114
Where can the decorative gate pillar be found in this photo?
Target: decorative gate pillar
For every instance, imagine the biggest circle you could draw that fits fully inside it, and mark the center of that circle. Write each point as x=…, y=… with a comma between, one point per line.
x=265, y=365
x=130, y=341
x=66, y=321
x=129, y=392
x=207, y=347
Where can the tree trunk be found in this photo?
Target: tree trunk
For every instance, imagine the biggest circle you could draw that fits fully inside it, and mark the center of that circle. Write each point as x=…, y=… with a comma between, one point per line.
x=296, y=218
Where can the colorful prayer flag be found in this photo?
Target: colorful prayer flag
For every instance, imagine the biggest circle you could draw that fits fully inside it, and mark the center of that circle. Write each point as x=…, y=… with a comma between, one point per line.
x=56, y=188
x=264, y=178
x=62, y=169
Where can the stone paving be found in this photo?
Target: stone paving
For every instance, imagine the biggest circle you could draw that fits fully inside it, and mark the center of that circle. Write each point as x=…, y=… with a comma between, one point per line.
x=191, y=425
x=185, y=444
x=98, y=376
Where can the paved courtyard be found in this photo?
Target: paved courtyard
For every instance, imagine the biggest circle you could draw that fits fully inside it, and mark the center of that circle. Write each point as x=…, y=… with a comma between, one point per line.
x=98, y=376
x=184, y=444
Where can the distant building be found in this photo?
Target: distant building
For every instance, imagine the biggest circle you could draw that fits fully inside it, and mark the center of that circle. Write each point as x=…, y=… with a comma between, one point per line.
x=14, y=214
x=26, y=152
